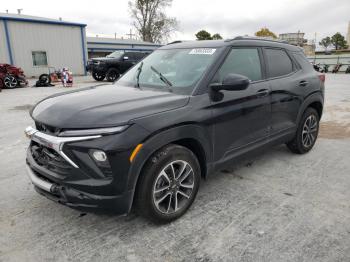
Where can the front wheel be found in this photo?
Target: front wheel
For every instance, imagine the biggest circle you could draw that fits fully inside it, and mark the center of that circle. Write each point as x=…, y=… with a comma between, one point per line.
x=307, y=132
x=168, y=184
x=98, y=76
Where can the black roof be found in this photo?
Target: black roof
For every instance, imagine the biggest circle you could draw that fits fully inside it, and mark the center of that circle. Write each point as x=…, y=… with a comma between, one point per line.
x=237, y=41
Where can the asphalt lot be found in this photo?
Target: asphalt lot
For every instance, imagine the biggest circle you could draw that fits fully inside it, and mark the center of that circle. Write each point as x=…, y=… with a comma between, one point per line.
x=276, y=207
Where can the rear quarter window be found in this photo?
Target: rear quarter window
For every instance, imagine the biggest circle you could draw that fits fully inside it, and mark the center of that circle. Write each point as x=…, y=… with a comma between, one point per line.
x=303, y=61
x=278, y=62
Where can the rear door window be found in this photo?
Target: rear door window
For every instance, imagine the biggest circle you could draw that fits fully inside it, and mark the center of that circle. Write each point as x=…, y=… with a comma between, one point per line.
x=278, y=62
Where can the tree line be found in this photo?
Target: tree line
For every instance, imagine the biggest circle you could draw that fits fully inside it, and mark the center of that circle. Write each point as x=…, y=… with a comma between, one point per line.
x=337, y=41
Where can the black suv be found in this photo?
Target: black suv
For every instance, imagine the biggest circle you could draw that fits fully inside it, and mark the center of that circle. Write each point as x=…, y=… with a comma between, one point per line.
x=113, y=65
x=182, y=113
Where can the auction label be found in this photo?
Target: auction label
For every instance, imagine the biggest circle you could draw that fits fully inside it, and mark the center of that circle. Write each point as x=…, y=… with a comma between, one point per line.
x=202, y=51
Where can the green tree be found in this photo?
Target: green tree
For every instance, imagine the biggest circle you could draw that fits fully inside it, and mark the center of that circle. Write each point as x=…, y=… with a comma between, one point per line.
x=265, y=32
x=216, y=36
x=326, y=42
x=338, y=41
x=150, y=20
x=203, y=35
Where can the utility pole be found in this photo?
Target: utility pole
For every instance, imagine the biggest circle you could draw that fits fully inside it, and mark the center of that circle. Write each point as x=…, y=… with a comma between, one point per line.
x=130, y=35
x=315, y=43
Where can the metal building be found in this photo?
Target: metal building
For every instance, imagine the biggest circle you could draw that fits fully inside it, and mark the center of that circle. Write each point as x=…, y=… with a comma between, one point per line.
x=293, y=38
x=35, y=44
x=98, y=47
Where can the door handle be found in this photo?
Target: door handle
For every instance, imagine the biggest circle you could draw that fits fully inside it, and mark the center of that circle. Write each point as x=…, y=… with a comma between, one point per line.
x=303, y=83
x=262, y=92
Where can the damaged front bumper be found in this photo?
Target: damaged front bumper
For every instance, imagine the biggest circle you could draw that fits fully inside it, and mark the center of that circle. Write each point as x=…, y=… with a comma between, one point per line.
x=74, y=187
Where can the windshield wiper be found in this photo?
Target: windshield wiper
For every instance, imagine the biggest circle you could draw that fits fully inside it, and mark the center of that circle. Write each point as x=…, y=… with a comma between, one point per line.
x=163, y=78
x=139, y=69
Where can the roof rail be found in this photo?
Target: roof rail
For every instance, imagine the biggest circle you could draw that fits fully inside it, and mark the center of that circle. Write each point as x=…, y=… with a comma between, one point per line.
x=175, y=42
x=256, y=38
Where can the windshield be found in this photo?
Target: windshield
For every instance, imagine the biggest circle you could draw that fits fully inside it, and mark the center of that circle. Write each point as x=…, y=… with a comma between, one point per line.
x=177, y=70
x=115, y=54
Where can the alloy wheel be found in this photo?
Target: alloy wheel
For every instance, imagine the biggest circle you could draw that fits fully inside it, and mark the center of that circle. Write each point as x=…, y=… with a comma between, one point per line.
x=309, y=132
x=10, y=81
x=98, y=77
x=173, y=187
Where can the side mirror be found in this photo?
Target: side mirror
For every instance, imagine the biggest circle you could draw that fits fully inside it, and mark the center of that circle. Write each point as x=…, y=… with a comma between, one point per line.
x=125, y=58
x=232, y=82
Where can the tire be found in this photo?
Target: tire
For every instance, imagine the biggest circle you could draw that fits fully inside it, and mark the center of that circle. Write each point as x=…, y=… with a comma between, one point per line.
x=175, y=196
x=45, y=79
x=112, y=74
x=307, y=132
x=10, y=82
x=98, y=76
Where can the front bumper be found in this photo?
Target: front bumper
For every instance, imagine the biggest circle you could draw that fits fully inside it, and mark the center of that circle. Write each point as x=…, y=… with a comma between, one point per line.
x=77, y=199
x=97, y=68
x=71, y=183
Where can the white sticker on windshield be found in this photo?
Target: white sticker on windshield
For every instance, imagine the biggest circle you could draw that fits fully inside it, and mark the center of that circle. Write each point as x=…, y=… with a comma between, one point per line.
x=202, y=51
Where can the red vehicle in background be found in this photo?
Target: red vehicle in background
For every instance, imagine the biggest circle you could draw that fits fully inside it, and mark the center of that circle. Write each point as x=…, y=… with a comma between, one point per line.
x=11, y=76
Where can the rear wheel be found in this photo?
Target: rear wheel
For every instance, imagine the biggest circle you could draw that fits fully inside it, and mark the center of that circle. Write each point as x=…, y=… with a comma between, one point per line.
x=98, y=76
x=112, y=74
x=168, y=184
x=10, y=81
x=307, y=132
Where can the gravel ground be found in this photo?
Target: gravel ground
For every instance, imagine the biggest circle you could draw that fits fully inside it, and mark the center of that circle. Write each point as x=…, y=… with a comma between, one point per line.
x=276, y=207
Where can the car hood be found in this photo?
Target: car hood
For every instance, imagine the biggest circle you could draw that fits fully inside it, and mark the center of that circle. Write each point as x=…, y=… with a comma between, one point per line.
x=101, y=106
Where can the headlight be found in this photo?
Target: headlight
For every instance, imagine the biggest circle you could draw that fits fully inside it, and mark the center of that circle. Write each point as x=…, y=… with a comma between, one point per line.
x=94, y=131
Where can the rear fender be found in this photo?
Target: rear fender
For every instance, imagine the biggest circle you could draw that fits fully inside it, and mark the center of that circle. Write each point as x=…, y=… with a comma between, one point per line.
x=314, y=97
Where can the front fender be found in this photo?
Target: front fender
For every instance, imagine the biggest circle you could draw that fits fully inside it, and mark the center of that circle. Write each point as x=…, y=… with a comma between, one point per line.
x=159, y=140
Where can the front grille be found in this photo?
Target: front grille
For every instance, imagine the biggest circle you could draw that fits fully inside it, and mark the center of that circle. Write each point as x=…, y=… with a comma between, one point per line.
x=49, y=159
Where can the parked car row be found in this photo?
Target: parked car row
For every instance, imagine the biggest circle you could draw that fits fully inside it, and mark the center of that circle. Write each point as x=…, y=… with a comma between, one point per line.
x=11, y=77
x=110, y=68
x=324, y=68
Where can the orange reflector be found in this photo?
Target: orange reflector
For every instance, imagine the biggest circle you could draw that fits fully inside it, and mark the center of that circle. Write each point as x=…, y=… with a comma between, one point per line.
x=134, y=153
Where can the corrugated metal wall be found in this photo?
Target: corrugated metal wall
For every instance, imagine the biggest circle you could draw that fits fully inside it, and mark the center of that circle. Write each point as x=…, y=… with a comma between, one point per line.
x=62, y=43
x=4, y=57
x=108, y=46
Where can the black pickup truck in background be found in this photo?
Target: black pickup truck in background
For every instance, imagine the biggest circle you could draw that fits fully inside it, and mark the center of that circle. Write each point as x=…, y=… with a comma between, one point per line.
x=114, y=64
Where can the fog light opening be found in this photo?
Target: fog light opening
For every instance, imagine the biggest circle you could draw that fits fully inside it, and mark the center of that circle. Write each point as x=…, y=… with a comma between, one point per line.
x=99, y=155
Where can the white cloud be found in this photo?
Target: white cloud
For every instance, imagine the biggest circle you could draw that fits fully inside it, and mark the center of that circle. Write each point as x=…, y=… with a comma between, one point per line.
x=227, y=17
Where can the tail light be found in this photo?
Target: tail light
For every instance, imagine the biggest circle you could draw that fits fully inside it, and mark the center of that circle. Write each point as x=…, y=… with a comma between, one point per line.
x=322, y=77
